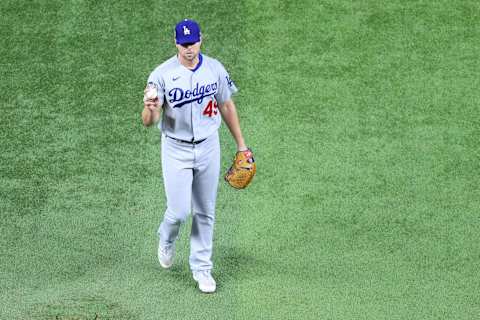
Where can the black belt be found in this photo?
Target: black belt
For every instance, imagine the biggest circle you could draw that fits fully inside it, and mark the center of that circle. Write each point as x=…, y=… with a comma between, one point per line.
x=186, y=141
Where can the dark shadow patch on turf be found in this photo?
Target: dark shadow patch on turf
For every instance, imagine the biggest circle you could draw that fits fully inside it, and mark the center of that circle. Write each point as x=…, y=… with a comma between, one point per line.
x=232, y=263
x=180, y=275
x=83, y=308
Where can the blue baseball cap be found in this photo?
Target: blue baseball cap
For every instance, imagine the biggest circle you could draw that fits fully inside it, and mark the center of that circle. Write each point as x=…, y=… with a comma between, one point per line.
x=187, y=31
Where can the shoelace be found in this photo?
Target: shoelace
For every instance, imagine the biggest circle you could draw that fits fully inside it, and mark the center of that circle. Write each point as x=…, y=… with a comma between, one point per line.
x=166, y=250
x=205, y=275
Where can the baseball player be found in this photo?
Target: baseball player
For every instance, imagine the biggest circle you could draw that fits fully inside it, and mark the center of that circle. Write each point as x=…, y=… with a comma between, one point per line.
x=188, y=95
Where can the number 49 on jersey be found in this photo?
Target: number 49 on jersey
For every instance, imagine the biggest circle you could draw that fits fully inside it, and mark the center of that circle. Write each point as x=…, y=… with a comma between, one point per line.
x=211, y=109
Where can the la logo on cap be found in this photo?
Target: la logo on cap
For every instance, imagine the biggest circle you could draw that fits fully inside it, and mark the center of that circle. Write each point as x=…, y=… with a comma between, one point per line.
x=186, y=31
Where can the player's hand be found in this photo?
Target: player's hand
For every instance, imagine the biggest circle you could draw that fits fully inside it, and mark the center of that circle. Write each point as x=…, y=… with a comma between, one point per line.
x=150, y=99
x=151, y=104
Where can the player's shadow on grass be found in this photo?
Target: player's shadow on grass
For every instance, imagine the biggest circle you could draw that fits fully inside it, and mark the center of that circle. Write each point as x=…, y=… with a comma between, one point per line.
x=236, y=262
x=231, y=265
x=179, y=275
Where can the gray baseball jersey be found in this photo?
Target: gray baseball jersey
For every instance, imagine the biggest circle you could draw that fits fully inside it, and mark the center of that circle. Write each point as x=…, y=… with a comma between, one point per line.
x=190, y=98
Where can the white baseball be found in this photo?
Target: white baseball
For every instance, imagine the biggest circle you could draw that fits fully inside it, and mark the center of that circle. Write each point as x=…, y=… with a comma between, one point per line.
x=151, y=93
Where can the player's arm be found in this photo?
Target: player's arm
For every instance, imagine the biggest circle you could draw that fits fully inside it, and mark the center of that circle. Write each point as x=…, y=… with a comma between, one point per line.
x=151, y=112
x=230, y=116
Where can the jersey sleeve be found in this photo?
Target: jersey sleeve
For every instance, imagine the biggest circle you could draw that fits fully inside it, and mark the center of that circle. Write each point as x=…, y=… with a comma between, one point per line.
x=157, y=80
x=226, y=86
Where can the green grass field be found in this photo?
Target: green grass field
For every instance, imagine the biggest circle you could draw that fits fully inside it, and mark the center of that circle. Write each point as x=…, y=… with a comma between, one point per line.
x=364, y=118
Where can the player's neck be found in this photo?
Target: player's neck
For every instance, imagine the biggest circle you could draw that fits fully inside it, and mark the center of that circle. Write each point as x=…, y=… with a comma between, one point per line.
x=189, y=64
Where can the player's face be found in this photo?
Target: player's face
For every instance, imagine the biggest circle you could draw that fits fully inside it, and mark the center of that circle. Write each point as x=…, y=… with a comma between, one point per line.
x=189, y=51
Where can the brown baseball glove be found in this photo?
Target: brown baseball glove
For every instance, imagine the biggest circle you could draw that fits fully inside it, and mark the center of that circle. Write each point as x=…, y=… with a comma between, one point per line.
x=242, y=170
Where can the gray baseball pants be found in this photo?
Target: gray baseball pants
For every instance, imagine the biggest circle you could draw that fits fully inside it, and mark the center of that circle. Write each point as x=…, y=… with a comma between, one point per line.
x=190, y=175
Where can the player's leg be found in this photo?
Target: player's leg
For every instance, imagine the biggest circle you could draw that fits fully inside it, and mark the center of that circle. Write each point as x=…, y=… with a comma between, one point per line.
x=177, y=164
x=204, y=195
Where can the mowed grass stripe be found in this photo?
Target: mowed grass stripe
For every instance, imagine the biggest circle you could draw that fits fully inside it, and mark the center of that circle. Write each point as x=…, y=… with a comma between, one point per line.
x=361, y=156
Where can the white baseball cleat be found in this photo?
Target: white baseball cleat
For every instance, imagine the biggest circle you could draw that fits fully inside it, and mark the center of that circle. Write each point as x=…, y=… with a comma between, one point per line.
x=205, y=281
x=166, y=255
